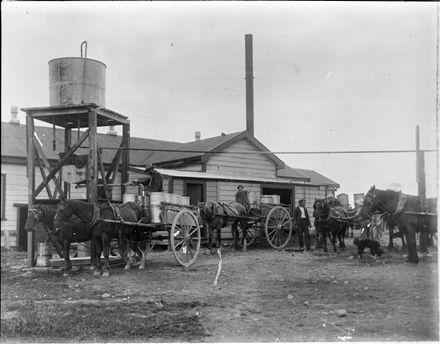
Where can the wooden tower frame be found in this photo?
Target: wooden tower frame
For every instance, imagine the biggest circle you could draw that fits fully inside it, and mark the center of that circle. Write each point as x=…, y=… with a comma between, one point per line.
x=69, y=117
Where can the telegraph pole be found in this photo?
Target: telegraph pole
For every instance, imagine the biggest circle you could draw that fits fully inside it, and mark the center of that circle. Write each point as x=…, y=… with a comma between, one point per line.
x=421, y=186
x=420, y=167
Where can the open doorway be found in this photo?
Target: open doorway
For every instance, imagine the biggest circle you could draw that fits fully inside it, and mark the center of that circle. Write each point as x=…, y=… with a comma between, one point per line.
x=286, y=195
x=195, y=191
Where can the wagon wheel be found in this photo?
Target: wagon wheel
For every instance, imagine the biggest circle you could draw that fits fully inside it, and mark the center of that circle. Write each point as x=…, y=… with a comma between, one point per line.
x=185, y=237
x=278, y=227
x=251, y=235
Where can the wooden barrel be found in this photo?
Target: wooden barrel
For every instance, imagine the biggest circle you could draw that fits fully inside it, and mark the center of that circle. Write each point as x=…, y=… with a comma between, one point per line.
x=156, y=198
x=84, y=249
x=44, y=254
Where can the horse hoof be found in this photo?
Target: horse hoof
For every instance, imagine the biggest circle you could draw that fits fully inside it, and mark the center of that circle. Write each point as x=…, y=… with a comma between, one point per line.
x=92, y=268
x=106, y=274
x=127, y=267
x=141, y=267
x=96, y=273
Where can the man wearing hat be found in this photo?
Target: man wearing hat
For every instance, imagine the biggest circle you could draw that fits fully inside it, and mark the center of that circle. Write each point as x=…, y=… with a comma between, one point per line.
x=242, y=197
x=153, y=182
x=302, y=223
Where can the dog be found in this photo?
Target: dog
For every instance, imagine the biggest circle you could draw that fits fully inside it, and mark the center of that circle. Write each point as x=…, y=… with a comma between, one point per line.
x=373, y=245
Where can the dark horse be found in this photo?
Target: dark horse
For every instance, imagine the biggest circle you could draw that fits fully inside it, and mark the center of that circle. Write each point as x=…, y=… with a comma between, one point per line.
x=72, y=230
x=94, y=217
x=328, y=224
x=408, y=212
x=218, y=215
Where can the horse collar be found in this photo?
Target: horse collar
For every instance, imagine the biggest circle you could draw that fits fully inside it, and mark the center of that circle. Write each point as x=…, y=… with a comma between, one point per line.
x=401, y=203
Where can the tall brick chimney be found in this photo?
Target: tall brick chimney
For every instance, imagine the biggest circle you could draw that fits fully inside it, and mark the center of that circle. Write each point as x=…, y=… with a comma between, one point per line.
x=249, y=85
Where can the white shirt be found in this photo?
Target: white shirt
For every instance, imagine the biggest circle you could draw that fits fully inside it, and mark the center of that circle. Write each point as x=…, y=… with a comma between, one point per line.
x=303, y=213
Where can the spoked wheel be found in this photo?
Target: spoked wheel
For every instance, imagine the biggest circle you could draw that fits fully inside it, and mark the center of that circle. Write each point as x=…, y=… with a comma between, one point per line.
x=278, y=227
x=185, y=237
x=251, y=235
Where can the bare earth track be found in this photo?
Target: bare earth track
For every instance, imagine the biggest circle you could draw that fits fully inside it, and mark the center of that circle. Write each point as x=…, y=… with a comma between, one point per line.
x=262, y=295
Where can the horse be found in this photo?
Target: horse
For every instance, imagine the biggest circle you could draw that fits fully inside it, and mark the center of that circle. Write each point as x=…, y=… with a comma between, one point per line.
x=72, y=230
x=408, y=212
x=94, y=217
x=328, y=224
x=217, y=215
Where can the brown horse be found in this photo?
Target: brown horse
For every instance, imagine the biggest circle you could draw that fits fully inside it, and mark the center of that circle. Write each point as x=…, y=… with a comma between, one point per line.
x=330, y=221
x=218, y=215
x=409, y=213
x=94, y=217
x=69, y=231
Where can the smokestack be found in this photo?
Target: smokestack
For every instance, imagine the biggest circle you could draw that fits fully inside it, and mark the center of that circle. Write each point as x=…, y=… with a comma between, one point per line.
x=249, y=85
x=14, y=115
x=197, y=135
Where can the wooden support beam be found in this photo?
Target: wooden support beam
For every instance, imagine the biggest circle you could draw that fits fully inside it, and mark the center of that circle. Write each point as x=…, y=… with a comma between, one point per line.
x=43, y=174
x=92, y=189
x=31, y=185
x=60, y=163
x=125, y=145
x=46, y=164
x=113, y=169
x=67, y=145
x=104, y=181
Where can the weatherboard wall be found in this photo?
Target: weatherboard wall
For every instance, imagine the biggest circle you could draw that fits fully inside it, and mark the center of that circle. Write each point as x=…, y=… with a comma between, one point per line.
x=237, y=161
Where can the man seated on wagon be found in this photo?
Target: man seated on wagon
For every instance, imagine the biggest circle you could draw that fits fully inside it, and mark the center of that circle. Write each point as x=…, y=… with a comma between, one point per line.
x=153, y=182
x=241, y=197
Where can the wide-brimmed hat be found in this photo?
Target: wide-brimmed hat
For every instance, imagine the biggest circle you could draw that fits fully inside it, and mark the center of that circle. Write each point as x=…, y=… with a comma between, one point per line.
x=240, y=186
x=148, y=166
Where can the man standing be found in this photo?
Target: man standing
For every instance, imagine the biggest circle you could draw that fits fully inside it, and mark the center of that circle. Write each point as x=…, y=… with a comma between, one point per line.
x=302, y=222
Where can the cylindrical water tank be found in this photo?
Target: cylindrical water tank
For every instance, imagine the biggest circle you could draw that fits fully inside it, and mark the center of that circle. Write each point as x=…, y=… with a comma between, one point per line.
x=76, y=80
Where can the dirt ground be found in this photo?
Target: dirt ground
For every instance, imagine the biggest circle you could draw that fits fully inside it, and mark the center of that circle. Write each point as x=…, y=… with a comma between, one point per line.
x=262, y=295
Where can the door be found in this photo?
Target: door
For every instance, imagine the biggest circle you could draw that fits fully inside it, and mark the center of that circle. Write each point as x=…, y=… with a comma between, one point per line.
x=196, y=192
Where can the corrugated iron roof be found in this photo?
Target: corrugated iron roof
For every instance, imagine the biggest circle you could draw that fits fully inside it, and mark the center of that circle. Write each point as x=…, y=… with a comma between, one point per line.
x=317, y=178
x=228, y=177
x=13, y=145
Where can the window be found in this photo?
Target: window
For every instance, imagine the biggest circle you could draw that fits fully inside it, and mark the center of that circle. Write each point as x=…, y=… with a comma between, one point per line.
x=3, y=192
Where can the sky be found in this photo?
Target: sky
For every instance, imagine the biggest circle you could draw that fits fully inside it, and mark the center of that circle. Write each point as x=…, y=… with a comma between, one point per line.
x=339, y=76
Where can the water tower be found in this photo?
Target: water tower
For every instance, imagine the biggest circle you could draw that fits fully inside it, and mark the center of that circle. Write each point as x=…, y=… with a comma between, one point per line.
x=76, y=104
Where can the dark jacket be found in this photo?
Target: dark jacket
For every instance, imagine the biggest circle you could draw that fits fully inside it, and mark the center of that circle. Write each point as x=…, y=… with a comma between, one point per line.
x=297, y=216
x=153, y=183
x=242, y=198
x=156, y=183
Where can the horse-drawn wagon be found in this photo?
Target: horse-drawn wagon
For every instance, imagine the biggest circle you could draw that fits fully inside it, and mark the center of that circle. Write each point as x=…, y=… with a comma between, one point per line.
x=142, y=221
x=267, y=215
x=135, y=224
x=171, y=213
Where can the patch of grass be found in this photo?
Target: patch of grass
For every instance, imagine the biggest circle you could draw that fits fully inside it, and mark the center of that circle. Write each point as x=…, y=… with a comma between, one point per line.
x=120, y=322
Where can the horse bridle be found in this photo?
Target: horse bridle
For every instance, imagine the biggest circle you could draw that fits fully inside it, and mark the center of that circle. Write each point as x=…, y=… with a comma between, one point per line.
x=379, y=207
x=37, y=214
x=212, y=215
x=323, y=215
